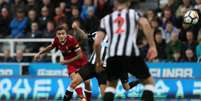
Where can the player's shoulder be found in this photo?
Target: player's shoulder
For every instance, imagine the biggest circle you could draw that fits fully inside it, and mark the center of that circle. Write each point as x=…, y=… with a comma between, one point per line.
x=70, y=38
x=56, y=39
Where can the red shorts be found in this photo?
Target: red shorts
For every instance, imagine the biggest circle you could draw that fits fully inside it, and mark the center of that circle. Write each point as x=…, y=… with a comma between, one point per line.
x=72, y=69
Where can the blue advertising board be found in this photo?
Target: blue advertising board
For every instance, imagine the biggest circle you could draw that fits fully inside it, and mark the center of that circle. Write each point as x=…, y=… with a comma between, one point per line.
x=47, y=69
x=10, y=70
x=54, y=88
x=175, y=70
x=158, y=70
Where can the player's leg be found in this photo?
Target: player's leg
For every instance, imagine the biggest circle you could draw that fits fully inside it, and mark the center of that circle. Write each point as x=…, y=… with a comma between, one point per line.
x=79, y=90
x=114, y=72
x=87, y=90
x=138, y=68
x=102, y=80
x=124, y=81
x=87, y=73
x=126, y=85
x=76, y=80
x=148, y=89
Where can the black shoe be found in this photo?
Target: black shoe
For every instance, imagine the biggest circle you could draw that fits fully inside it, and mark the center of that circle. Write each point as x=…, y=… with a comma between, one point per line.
x=68, y=95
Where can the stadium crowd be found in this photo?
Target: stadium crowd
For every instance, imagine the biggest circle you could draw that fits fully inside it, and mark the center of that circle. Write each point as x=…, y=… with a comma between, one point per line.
x=38, y=18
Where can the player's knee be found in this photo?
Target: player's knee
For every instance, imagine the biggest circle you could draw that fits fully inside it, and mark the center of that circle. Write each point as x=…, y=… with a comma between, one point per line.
x=113, y=83
x=76, y=81
x=126, y=87
x=148, y=80
x=87, y=83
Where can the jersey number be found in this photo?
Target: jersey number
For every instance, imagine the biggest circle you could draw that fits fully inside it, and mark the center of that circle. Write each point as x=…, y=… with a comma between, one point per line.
x=119, y=21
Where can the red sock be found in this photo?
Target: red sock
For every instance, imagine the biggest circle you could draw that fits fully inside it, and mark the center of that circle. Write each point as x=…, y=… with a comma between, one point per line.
x=79, y=92
x=88, y=95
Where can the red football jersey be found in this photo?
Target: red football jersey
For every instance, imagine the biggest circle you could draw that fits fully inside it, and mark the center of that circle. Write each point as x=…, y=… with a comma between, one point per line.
x=69, y=50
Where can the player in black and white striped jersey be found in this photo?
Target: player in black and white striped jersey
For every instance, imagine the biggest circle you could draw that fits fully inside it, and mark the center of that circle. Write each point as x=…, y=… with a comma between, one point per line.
x=121, y=28
x=90, y=71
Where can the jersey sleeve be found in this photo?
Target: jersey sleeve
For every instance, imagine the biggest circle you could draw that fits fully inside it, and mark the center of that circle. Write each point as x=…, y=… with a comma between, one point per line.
x=137, y=15
x=55, y=43
x=102, y=25
x=75, y=45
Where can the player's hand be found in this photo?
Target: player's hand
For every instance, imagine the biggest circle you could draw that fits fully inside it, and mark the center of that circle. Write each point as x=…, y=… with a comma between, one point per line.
x=63, y=62
x=75, y=26
x=152, y=53
x=99, y=67
x=37, y=56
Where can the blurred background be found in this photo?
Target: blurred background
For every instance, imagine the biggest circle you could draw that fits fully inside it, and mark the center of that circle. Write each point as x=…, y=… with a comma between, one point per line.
x=27, y=26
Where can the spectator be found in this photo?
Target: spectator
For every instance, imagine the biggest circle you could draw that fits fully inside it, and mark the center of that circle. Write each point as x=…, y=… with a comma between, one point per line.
x=49, y=5
x=44, y=18
x=186, y=4
x=102, y=8
x=6, y=56
x=19, y=57
x=175, y=45
x=32, y=17
x=4, y=4
x=173, y=5
x=160, y=45
x=50, y=30
x=167, y=17
x=43, y=57
x=18, y=24
x=198, y=5
x=34, y=32
x=85, y=8
x=155, y=25
x=16, y=4
x=189, y=56
x=190, y=43
x=75, y=3
x=75, y=14
x=198, y=47
x=32, y=4
x=5, y=19
x=62, y=6
x=168, y=30
x=177, y=57
x=151, y=15
x=60, y=17
x=91, y=23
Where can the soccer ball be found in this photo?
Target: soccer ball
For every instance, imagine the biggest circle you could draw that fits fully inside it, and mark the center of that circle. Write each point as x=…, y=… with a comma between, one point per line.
x=191, y=17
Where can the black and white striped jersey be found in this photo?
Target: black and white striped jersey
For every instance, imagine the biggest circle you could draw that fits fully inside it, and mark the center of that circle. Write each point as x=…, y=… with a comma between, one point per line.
x=103, y=54
x=121, y=28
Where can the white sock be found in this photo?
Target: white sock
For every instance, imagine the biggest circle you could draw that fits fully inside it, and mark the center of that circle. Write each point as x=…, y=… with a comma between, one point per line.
x=110, y=89
x=70, y=89
x=149, y=87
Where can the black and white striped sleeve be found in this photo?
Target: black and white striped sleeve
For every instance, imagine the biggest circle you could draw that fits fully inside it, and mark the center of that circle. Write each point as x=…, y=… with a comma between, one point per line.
x=137, y=16
x=102, y=25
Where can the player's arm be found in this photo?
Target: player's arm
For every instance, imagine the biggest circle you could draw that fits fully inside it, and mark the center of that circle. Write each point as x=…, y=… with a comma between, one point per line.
x=78, y=51
x=47, y=49
x=97, y=48
x=148, y=32
x=80, y=31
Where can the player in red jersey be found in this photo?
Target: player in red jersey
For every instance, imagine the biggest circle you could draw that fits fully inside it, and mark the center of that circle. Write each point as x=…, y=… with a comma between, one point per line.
x=74, y=57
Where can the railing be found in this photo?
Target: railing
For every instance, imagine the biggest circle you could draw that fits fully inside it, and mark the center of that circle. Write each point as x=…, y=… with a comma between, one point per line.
x=12, y=44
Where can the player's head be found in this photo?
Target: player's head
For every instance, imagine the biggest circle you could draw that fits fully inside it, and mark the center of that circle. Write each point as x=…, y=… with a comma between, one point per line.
x=61, y=33
x=120, y=4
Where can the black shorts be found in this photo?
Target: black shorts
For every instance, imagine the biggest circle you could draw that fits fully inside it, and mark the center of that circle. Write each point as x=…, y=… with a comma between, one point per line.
x=89, y=71
x=118, y=66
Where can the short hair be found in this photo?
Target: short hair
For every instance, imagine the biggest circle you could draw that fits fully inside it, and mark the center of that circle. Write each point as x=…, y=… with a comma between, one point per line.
x=60, y=27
